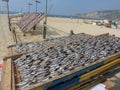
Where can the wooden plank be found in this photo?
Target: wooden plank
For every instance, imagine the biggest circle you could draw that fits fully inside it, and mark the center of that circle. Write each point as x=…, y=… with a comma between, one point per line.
x=18, y=78
x=34, y=22
x=13, y=56
x=6, y=85
x=99, y=70
x=19, y=23
x=31, y=18
x=3, y=75
x=112, y=57
x=40, y=85
x=13, y=77
x=29, y=21
x=10, y=51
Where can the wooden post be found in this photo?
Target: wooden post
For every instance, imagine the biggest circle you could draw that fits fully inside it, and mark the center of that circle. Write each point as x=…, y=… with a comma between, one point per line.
x=29, y=4
x=34, y=28
x=71, y=32
x=45, y=23
x=46, y=11
x=44, y=31
x=14, y=36
x=36, y=4
x=8, y=15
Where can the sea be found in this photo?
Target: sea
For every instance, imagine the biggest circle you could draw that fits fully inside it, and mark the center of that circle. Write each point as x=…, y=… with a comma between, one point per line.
x=72, y=17
x=60, y=16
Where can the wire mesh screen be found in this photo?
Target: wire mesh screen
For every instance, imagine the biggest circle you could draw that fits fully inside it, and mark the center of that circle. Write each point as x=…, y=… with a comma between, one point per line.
x=54, y=32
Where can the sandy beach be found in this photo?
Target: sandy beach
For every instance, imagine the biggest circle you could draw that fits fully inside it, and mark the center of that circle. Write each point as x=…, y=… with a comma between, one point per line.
x=5, y=36
x=78, y=26
x=56, y=27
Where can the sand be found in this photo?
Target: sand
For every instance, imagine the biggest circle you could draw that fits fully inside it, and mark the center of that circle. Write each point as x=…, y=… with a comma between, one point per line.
x=56, y=27
x=5, y=36
x=79, y=27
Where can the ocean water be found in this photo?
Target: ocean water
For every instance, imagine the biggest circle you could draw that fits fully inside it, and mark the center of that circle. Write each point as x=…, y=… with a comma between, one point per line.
x=60, y=16
x=5, y=12
x=63, y=16
x=72, y=17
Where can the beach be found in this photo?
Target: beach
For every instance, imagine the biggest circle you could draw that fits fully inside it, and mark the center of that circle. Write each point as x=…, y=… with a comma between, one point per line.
x=5, y=36
x=78, y=26
x=57, y=27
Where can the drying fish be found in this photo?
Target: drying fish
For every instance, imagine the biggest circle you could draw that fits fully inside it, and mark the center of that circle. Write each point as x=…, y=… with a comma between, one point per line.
x=67, y=54
x=34, y=46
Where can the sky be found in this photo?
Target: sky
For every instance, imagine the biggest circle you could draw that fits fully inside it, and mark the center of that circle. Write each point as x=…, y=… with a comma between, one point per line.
x=65, y=7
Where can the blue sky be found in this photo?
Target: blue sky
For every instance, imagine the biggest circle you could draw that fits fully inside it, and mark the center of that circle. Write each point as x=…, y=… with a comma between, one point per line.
x=66, y=7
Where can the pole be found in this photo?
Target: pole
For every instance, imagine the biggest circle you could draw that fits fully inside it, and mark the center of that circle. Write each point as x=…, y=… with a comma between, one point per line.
x=28, y=8
x=36, y=4
x=29, y=4
x=9, y=25
x=13, y=31
x=14, y=36
x=8, y=16
x=45, y=28
x=46, y=11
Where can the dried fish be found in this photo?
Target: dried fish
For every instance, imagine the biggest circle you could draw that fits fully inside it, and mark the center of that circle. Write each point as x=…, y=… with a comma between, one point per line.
x=67, y=54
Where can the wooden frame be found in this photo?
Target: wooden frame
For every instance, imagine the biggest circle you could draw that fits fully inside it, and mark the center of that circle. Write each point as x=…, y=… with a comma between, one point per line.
x=75, y=76
x=9, y=73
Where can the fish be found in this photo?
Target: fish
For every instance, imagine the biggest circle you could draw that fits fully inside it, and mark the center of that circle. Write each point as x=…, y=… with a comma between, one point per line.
x=63, y=56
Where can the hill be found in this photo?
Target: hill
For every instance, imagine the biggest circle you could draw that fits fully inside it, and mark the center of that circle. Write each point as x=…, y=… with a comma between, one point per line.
x=109, y=14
